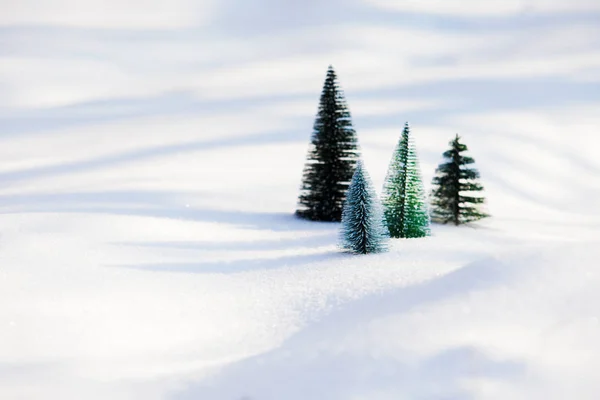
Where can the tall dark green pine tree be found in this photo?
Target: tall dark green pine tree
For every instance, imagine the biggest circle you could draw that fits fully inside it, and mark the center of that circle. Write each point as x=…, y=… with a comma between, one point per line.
x=455, y=194
x=363, y=229
x=332, y=157
x=404, y=198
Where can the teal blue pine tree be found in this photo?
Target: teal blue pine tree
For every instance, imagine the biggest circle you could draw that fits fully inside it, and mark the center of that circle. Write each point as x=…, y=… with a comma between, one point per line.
x=363, y=229
x=404, y=198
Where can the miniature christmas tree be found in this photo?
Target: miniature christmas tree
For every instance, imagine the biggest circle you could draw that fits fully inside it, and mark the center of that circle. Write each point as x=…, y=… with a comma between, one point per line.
x=331, y=159
x=456, y=190
x=363, y=229
x=404, y=198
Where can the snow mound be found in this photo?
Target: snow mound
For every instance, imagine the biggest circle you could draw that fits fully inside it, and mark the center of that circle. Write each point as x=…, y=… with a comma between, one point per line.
x=519, y=326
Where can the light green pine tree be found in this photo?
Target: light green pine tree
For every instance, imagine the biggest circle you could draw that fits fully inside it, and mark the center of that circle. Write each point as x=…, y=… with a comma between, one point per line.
x=404, y=199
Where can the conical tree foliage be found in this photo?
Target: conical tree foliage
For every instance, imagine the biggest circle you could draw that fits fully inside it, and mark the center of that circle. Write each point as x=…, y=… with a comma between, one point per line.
x=404, y=198
x=456, y=188
x=363, y=230
x=331, y=159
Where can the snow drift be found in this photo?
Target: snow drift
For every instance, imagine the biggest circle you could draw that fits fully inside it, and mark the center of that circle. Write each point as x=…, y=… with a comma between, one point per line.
x=521, y=326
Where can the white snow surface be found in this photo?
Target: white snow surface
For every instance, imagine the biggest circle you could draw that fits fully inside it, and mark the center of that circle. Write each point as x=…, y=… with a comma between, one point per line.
x=150, y=165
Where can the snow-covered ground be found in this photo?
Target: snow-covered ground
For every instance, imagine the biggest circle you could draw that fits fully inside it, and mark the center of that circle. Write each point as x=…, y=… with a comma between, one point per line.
x=150, y=164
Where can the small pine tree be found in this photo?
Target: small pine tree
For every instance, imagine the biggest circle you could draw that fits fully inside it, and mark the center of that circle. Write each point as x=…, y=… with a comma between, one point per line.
x=363, y=230
x=331, y=159
x=404, y=198
x=455, y=187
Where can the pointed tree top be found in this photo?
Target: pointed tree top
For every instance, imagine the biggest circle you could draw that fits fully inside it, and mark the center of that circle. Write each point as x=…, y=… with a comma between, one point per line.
x=457, y=145
x=331, y=75
x=406, y=129
x=359, y=170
